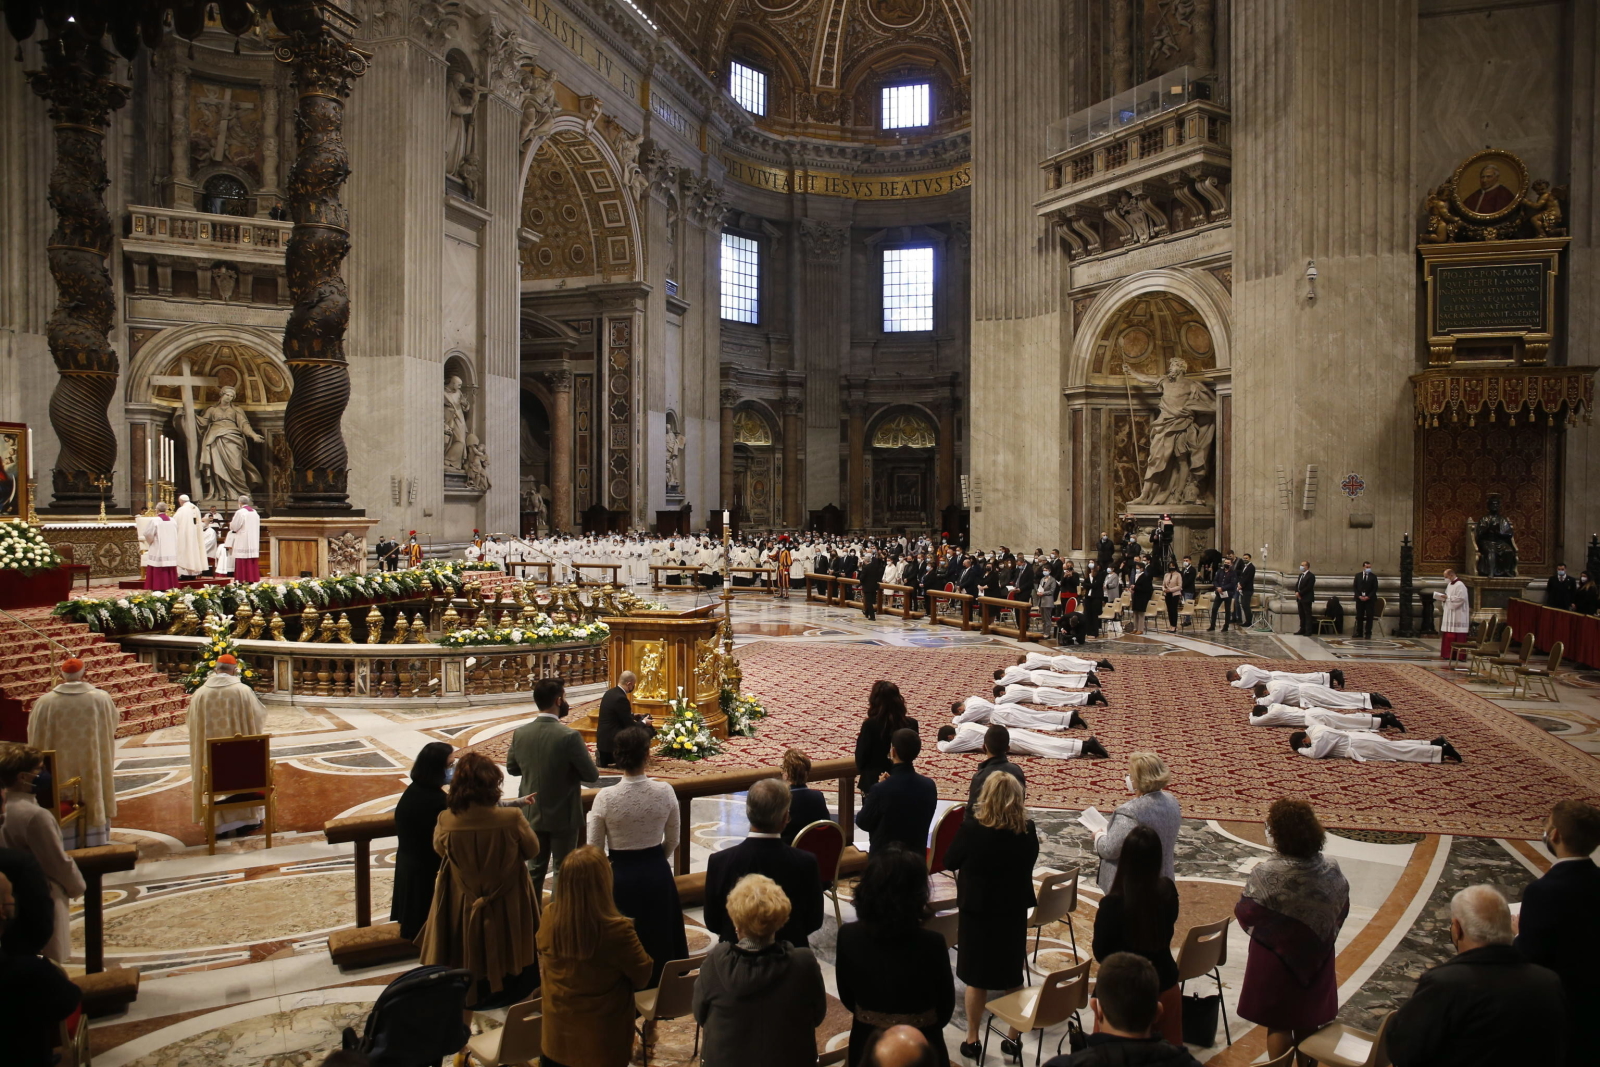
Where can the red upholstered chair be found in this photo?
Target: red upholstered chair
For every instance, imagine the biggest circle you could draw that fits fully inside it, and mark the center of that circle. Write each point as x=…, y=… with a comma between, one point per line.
x=238, y=775
x=1069, y=605
x=944, y=832
x=824, y=839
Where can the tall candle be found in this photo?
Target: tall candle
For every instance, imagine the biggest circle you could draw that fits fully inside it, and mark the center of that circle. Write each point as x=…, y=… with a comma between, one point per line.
x=30, y=457
x=149, y=458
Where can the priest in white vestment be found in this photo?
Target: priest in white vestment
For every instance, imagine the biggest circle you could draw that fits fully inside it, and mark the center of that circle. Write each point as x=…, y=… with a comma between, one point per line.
x=968, y=737
x=161, y=552
x=191, y=546
x=977, y=709
x=1065, y=664
x=1324, y=742
x=222, y=707
x=1246, y=676
x=1457, y=618
x=1015, y=675
x=78, y=722
x=1289, y=715
x=244, y=543
x=1311, y=695
x=1049, y=697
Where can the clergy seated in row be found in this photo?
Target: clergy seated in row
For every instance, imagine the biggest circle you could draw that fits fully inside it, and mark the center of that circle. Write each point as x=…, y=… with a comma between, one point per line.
x=78, y=722
x=222, y=707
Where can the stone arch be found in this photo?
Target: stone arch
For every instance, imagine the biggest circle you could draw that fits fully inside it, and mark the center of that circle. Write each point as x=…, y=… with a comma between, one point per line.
x=163, y=350
x=901, y=466
x=883, y=417
x=1195, y=288
x=785, y=69
x=577, y=195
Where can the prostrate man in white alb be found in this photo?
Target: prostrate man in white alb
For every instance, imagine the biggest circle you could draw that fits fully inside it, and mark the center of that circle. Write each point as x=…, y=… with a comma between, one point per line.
x=1050, y=698
x=1065, y=664
x=1287, y=715
x=1245, y=676
x=968, y=737
x=1017, y=675
x=191, y=546
x=977, y=709
x=1324, y=742
x=1309, y=695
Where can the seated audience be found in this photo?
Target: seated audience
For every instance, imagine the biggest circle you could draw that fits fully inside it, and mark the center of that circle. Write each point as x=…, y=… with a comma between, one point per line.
x=890, y=971
x=905, y=1046
x=592, y=963
x=1127, y=1010
x=763, y=852
x=1559, y=925
x=35, y=996
x=31, y=829
x=1488, y=1005
x=1138, y=915
x=806, y=805
x=1151, y=806
x=901, y=806
x=760, y=999
x=996, y=749
x=416, y=864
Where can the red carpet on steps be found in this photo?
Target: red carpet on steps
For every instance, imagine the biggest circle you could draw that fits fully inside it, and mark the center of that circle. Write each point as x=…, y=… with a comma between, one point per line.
x=1182, y=708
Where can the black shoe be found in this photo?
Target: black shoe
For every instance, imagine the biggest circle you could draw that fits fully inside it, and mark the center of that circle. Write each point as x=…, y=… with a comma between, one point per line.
x=1380, y=701
x=1105, y=665
x=1392, y=721
x=1009, y=1047
x=1096, y=697
x=1092, y=678
x=1213, y=626
x=1076, y=722
x=1336, y=678
x=1450, y=752
x=972, y=1050
x=1093, y=749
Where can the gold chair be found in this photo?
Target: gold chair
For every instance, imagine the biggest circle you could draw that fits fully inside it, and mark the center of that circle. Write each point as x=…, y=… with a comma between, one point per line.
x=672, y=999
x=1202, y=954
x=1286, y=1060
x=946, y=923
x=238, y=775
x=517, y=1042
x=1377, y=616
x=1545, y=676
x=1060, y=996
x=1057, y=900
x=1337, y=1045
x=1478, y=660
x=1502, y=668
x=1464, y=649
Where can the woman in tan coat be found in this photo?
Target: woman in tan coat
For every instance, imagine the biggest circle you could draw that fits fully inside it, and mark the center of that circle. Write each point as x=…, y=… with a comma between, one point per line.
x=592, y=963
x=483, y=916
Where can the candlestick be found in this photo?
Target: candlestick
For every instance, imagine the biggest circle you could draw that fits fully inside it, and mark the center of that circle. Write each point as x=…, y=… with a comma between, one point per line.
x=30, y=459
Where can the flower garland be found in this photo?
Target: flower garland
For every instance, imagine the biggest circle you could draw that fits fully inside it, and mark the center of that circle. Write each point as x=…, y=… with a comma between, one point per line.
x=23, y=549
x=742, y=711
x=142, y=611
x=219, y=644
x=685, y=736
x=542, y=632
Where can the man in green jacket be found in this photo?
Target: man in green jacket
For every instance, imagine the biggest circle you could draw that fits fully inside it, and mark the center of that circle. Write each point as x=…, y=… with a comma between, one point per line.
x=554, y=764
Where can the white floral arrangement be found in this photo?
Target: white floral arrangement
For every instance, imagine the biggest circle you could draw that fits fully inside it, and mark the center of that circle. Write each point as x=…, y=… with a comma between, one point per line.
x=23, y=549
x=742, y=711
x=685, y=736
x=542, y=632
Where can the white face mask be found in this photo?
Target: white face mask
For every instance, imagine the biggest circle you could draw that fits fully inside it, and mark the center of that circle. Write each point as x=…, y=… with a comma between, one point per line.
x=1302, y=568
x=1268, y=831
x=1129, y=780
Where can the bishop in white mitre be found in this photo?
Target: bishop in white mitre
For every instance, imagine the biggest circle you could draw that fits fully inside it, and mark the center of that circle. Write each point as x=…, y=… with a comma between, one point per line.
x=222, y=707
x=78, y=722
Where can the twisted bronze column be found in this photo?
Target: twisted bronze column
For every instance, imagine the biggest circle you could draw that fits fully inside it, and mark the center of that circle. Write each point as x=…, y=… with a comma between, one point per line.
x=76, y=81
x=323, y=65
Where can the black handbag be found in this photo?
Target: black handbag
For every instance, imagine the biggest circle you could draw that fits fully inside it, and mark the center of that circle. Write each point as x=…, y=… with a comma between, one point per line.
x=1200, y=1019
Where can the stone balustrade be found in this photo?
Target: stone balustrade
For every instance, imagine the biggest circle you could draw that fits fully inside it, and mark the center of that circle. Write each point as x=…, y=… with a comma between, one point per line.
x=158, y=240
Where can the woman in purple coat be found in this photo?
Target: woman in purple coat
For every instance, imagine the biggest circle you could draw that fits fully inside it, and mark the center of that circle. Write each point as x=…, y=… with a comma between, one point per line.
x=1293, y=906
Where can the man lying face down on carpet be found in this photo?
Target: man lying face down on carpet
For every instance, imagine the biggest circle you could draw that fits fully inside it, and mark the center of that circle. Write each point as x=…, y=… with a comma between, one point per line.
x=1288, y=715
x=1245, y=676
x=968, y=737
x=977, y=709
x=1049, y=697
x=1309, y=695
x=1019, y=675
x=1038, y=661
x=1324, y=742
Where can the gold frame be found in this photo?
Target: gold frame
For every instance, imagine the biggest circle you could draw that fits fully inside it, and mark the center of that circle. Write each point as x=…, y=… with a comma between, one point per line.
x=1441, y=346
x=24, y=449
x=1517, y=198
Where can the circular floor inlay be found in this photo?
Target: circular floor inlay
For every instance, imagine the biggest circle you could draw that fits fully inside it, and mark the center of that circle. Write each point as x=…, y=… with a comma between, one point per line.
x=1378, y=837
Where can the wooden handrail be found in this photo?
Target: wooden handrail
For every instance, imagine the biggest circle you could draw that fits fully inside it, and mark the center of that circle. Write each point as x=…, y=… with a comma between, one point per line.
x=95, y=863
x=682, y=568
x=964, y=599
x=909, y=594
x=989, y=609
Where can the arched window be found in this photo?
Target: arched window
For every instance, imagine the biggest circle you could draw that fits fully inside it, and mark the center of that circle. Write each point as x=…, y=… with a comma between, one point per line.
x=225, y=195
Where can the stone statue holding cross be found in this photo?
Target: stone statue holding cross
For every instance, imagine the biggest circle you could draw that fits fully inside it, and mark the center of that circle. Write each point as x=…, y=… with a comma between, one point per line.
x=225, y=467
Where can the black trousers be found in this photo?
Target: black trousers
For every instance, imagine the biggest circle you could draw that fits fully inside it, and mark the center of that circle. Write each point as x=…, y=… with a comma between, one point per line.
x=1174, y=602
x=1229, y=611
x=1246, y=613
x=869, y=601
x=1308, y=624
x=1365, y=612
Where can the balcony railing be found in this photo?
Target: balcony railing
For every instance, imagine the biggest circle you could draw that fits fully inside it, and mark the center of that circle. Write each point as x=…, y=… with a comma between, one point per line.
x=1130, y=108
x=172, y=229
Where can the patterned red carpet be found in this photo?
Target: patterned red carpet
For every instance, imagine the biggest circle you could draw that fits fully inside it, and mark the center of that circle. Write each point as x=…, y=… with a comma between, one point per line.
x=1222, y=767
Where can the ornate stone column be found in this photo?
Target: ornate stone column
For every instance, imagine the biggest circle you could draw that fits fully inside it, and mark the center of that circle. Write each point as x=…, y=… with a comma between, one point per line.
x=180, y=191
x=560, y=383
x=946, y=410
x=858, y=463
x=76, y=81
x=322, y=66
x=730, y=400
x=1121, y=45
x=793, y=427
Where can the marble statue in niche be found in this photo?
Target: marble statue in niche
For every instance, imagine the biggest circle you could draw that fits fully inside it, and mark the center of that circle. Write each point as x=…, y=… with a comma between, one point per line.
x=539, y=108
x=477, y=464
x=676, y=442
x=1180, y=443
x=225, y=435
x=457, y=407
x=461, y=98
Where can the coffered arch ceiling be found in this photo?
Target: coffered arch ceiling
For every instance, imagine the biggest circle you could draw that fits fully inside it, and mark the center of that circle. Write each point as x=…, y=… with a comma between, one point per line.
x=826, y=58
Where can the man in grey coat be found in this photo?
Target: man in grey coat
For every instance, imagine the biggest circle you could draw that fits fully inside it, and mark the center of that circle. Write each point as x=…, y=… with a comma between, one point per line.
x=555, y=765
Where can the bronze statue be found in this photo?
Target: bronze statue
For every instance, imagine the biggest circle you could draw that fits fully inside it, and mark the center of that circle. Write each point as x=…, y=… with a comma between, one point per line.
x=1497, y=543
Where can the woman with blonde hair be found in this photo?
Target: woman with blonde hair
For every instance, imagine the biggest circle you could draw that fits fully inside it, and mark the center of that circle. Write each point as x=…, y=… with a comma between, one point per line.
x=1151, y=806
x=993, y=856
x=806, y=805
x=759, y=999
x=592, y=964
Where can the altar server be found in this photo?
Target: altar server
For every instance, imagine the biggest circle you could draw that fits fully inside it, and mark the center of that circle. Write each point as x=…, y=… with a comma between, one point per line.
x=78, y=722
x=244, y=542
x=222, y=707
x=1310, y=695
x=1324, y=742
x=1457, y=617
x=1288, y=715
x=977, y=709
x=1016, y=675
x=968, y=737
x=1065, y=664
x=1050, y=698
x=161, y=553
x=190, y=545
x=1245, y=676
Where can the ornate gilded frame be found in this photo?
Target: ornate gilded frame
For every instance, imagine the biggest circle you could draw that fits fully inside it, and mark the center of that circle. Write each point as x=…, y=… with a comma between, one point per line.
x=14, y=487
x=1521, y=191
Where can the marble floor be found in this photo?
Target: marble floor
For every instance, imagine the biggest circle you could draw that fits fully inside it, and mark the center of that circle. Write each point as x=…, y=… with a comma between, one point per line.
x=233, y=947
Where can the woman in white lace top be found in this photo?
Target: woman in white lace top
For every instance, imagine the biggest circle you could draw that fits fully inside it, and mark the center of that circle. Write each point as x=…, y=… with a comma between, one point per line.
x=636, y=821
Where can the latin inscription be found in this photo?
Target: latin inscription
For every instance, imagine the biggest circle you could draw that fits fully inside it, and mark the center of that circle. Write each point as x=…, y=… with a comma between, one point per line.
x=822, y=183
x=580, y=45
x=1489, y=297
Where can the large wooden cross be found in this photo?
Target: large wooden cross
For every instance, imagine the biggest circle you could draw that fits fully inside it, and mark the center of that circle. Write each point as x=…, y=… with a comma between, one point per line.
x=226, y=109
x=186, y=383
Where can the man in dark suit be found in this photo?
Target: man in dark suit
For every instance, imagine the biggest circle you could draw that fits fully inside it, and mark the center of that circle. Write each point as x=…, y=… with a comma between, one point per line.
x=554, y=764
x=616, y=713
x=1247, y=589
x=971, y=577
x=1561, y=590
x=1559, y=927
x=1488, y=1005
x=901, y=806
x=871, y=580
x=1104, y=551
x=763, y=852
x=1094, y=597
x=1305, y=599
x=1142, y=589
x=1224, y=593
x=1187, y=573
x=852, y=563
x=996, y=747
x=1365, y=591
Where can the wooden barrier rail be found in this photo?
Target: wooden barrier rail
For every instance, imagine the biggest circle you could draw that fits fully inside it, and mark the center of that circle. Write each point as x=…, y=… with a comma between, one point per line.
x=764, y=587
x=936, y=597
x=514, y=566
x=690, y=569
x=819, y=587
x=103, y=991
x=366, y=944
x=907, y=595
x=615, y=568
x=990, y=609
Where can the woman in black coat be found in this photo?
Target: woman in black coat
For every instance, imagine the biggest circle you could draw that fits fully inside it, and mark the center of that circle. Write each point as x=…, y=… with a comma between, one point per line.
x=416, y=864
x=806, y=805
x=993, y=856
x=890, y=970
x=1139, y=915
x=886, y=713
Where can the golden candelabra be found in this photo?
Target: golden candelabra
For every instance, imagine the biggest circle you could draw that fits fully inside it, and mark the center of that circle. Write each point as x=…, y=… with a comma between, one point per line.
x=732, y=676
x=33, y=516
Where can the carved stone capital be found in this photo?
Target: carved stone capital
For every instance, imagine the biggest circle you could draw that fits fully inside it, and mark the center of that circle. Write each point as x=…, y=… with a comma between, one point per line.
x=823, y=241
x=321, y=60
x=76, y=81
x=504, y=57
x=730, y=398
x=791, y=407
x=433, y=21
x=558, y=381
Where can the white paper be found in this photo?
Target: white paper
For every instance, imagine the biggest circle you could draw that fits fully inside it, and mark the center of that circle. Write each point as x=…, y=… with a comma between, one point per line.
x=1353, y=1047
x=1092, y=819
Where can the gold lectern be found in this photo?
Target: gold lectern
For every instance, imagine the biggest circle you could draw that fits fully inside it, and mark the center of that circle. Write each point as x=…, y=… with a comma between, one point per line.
x=669, y=650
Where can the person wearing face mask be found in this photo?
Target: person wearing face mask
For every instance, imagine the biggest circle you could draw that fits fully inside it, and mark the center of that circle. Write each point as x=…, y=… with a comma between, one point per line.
x=1586, y=601
x=34, y=830
x=1151, y=806
x=1305, y=599
x=1365, y=590
x=1559, y=928
x=416, y=864
x=1561, y=590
